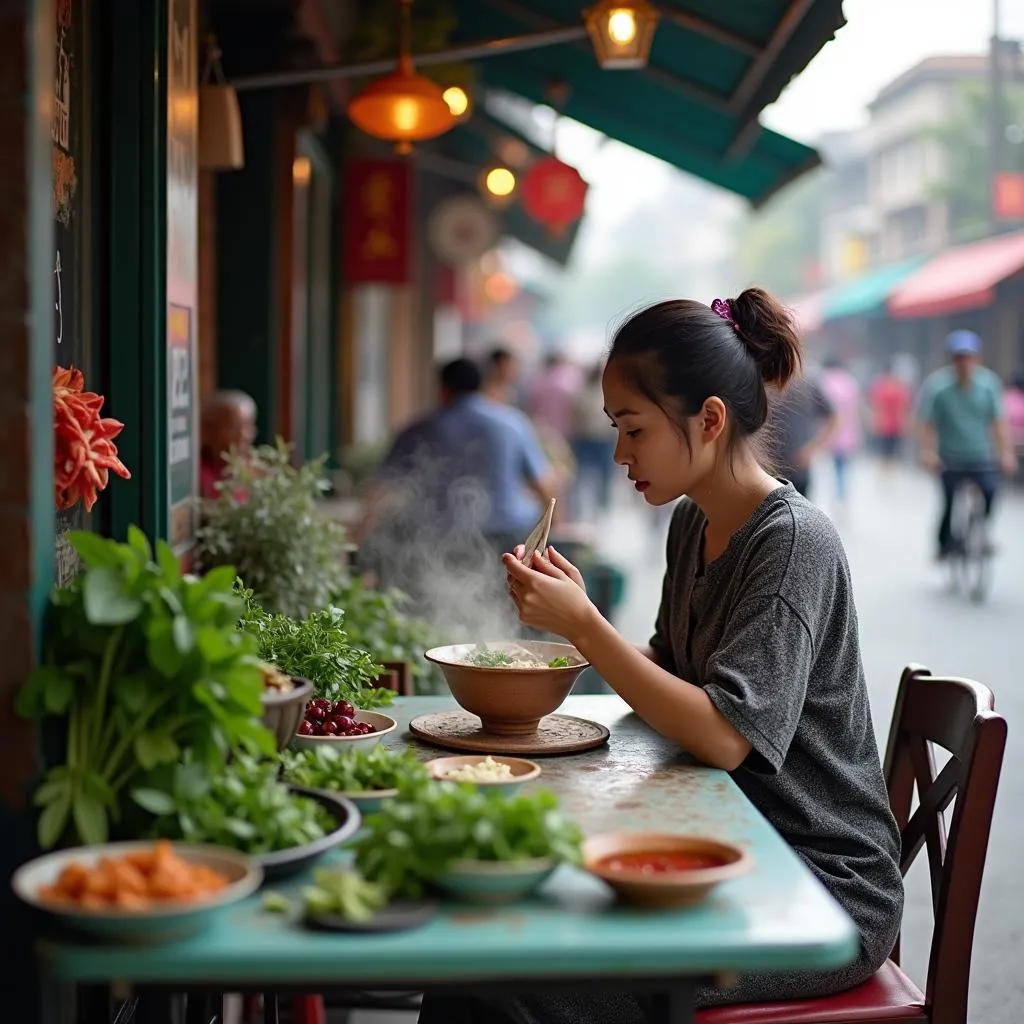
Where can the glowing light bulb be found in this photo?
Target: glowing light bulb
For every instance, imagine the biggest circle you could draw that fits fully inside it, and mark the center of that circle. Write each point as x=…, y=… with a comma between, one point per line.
x=302, y=171
x=500, y=181
x=457, y=100
x=405, y=115
x=622, y=26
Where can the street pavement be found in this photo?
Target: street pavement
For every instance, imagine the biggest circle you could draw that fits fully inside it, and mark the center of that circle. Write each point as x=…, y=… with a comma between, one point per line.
x=907, y=614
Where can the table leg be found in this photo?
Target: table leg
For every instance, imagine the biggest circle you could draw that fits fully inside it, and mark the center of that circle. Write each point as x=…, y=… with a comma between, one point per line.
x=59, y=1002
x=674, y=1006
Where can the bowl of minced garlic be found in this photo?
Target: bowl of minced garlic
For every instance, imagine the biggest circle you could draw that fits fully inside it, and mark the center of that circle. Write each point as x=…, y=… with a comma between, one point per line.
x=507, y=772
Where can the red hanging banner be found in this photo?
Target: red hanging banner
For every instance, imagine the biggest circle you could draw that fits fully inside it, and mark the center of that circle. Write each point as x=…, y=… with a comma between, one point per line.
x=377, y=227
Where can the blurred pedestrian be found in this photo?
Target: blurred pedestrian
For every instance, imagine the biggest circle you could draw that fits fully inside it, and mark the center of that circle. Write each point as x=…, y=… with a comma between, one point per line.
x=551, y=395
x=502, y=370
x=801, y=424
x=890, y=399
x=468, y=480
x=1013, y=400
x=227, y=426
x=843, y=391
x=593, y=443
x=964, y=434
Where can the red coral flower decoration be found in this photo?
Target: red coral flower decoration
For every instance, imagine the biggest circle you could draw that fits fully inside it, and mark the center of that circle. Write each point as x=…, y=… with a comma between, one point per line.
x=84, y=452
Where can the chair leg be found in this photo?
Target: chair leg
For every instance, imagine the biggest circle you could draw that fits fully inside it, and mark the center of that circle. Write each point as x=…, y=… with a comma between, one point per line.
x=308, y=1009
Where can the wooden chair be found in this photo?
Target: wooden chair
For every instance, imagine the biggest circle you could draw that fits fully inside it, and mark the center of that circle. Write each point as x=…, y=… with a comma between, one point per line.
x=957, y=715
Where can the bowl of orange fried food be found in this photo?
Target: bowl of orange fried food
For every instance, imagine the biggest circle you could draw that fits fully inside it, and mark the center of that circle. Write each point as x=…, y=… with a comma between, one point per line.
x=143, y=891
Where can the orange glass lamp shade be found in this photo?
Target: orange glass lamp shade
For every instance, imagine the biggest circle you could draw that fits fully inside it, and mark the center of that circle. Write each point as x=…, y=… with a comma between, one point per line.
x=621, y=32
x=402, y=107
x=553, y=194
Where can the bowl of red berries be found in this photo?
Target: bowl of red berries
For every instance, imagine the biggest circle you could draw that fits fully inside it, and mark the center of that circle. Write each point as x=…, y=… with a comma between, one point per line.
x=341, y=724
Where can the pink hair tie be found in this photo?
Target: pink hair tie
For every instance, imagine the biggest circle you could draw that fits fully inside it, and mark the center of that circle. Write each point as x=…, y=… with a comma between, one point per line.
x=723, y=307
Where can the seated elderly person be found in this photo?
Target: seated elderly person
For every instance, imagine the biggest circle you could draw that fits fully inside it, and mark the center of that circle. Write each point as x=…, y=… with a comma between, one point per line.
x=228, y=425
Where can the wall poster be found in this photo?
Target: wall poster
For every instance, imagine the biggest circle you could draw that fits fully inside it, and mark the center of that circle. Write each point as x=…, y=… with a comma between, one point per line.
x=182, y=270
x=70, y=147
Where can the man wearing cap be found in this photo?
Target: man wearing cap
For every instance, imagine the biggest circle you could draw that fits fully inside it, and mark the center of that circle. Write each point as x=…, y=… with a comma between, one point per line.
x=962, y=428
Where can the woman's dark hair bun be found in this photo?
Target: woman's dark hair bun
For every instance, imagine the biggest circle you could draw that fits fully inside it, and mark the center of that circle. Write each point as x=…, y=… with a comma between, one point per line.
x=766, y=327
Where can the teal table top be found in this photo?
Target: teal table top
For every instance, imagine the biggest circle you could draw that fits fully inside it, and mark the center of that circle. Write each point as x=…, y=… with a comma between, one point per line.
x=777, y=917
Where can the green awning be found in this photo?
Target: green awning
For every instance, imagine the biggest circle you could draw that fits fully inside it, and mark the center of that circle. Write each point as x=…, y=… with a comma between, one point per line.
x=866, y=295
x=696, y=103
x=474, y=144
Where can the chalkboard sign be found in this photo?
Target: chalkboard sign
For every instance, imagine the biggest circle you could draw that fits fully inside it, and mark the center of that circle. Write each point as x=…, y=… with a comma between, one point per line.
x=70, y=145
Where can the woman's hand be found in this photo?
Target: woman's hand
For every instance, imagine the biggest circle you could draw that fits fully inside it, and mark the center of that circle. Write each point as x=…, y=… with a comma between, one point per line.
x=549, y=594
x=558, y=559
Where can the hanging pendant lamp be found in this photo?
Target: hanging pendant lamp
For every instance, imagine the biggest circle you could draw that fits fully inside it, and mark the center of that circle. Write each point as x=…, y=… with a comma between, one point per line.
x=402, y=107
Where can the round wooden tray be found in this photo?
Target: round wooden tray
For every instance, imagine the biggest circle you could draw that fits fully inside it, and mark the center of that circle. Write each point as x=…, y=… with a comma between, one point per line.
x=556, y=734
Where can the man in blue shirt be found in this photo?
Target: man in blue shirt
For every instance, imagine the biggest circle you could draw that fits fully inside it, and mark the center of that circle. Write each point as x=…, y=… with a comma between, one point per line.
x=962, y=429
x=469, y=479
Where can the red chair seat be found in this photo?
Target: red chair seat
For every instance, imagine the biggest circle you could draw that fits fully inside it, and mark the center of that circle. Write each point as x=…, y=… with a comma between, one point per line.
x=888, y=996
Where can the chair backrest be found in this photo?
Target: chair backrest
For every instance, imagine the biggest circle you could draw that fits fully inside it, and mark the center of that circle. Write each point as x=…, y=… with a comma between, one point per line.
x=398, y=677
x=958, y=716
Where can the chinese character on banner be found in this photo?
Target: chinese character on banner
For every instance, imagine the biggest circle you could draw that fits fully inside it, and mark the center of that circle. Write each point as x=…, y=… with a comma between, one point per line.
x=378, y=211
x=1008, y=195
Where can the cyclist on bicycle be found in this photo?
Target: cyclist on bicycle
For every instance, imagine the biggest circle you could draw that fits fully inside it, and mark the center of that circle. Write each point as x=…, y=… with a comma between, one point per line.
x=963, y=431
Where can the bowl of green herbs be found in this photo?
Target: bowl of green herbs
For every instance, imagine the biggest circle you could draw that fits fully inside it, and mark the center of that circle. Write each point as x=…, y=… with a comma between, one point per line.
x=365, y=777
x=283, y=827
x=476, y=845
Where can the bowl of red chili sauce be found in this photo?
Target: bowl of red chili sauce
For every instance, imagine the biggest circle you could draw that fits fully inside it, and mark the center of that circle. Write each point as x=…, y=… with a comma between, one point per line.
x=658, y=869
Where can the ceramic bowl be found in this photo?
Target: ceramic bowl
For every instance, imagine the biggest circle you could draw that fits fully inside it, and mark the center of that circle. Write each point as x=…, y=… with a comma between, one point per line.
x=522, y=770
x=368, y=801
x=509, y=701
x=486, y=881
x=670, y=888
x=283, y=710
x=293, y=859
x=156, y=924
x=383, y=724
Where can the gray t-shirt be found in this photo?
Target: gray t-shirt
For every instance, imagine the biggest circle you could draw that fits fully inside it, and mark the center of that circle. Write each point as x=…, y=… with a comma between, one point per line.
x=769, y=630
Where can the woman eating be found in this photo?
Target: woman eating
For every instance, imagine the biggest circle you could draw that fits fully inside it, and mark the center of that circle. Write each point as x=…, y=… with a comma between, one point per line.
x=754, y=666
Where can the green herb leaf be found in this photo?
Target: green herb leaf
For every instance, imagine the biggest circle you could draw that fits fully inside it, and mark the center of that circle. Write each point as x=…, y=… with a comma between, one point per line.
x=154, y=801
x=184, y=639
x=153, y=748
x=54, y=819
x=90, y=818
x=94, y=550
x=139, y=543
x=106, y=602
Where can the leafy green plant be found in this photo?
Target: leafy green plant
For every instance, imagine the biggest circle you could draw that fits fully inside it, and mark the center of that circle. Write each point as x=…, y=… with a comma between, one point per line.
x=143, y=665
x=317, y=648
x=345, y=893
x=244, y=806
x=351, y=771
x=415, y=838
x=380, y=622
x=266, y=522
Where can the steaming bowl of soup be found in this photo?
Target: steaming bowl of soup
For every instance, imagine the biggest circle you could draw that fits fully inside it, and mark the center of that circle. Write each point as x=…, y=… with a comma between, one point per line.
x=511, y=684
x=659, y=869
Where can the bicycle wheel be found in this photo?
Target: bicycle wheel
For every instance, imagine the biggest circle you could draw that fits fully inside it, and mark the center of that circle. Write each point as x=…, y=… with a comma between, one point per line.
x=974, y=558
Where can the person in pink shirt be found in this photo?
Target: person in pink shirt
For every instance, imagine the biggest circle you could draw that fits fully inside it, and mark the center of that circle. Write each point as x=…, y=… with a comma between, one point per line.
x=551, y=397
x=843, y=391
x=1013, y=405
x=891, y=400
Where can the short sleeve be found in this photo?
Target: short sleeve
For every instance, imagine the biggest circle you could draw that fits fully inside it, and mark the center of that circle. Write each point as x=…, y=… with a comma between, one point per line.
x=998, y=409
x=758, y=677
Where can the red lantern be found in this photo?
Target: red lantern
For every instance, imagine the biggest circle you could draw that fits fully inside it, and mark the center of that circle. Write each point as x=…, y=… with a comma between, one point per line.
x=553, y=194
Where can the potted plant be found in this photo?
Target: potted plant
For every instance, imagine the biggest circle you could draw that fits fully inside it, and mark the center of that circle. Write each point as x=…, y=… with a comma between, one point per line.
x=266, y=522
x=380, y=622
x=143, y=669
